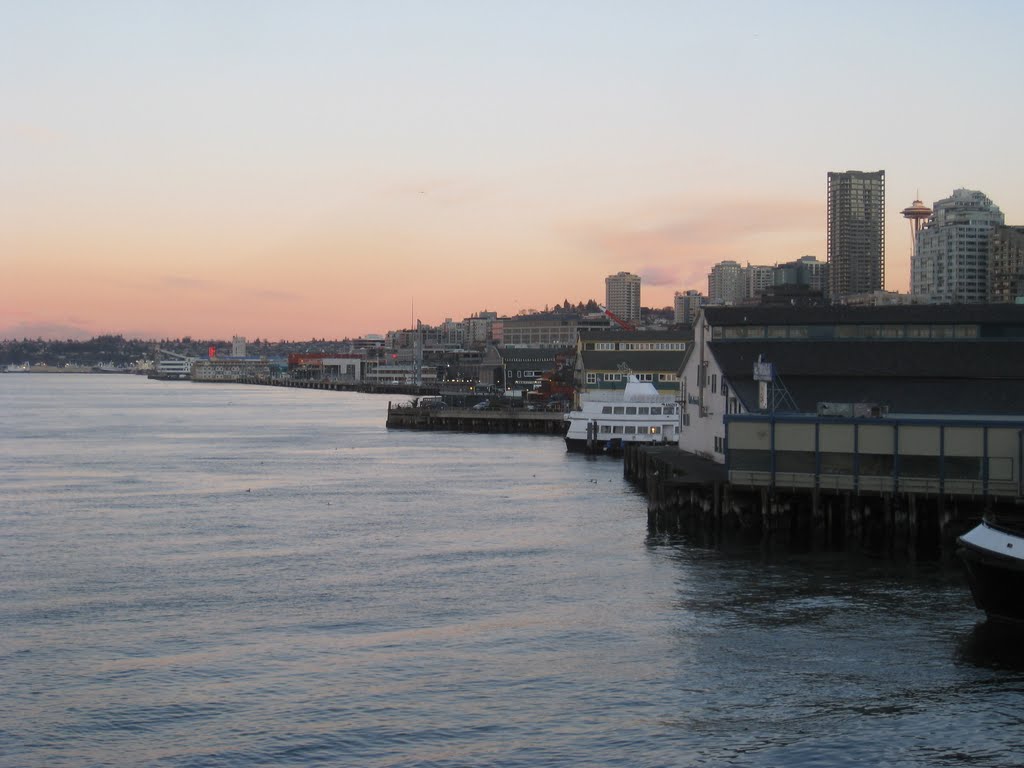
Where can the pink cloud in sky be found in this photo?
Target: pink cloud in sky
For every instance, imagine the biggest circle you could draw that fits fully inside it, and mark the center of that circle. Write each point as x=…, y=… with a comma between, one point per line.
x=658, y=274
x=674, y=248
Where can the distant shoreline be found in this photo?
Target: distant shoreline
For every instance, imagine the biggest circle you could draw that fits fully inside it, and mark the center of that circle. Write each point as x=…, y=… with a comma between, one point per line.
x=56, y=369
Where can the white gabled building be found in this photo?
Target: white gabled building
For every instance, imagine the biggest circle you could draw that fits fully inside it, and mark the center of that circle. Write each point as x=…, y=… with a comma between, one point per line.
x=705, y=397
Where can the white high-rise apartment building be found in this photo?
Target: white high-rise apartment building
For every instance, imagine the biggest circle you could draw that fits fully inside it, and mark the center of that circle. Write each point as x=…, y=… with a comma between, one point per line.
x=729, y=283
x=726, y=284
x=950, y=263
x=686, y=306
x=756, y=278
x=622, y=296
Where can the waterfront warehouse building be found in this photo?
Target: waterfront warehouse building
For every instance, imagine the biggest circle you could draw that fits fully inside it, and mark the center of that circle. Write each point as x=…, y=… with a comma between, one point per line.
x=544, y=330
x=233, y=369
x=605, y=359
x=622, y=296
x=856, y=232
x=915, y=361
x=516, y=370
x=950, y=262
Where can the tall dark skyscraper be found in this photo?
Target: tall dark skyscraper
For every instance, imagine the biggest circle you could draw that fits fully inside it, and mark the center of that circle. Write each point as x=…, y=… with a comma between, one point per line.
x=856, y=232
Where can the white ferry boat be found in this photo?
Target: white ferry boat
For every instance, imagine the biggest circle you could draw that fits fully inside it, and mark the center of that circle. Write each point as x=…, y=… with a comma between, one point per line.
x=606, y=421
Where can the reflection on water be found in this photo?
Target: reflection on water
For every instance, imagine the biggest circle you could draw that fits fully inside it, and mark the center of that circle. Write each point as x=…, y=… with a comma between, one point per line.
x=995, y=645
x=220, y=575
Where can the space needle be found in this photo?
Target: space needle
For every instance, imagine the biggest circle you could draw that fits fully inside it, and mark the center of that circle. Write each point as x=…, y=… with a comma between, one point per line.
x=917, y=214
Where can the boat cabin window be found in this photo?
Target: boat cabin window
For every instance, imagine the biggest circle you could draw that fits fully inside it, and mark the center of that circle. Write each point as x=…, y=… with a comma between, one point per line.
x=618, y=409
x=655, y=430
x=630, y=430
x=631, y=410
x=606, y=409
x=606, y=428
x=655, y=410
x=643, y=410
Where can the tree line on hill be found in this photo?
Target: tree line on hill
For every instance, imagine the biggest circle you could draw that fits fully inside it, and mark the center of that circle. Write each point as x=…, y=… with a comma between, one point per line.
x=119, y=351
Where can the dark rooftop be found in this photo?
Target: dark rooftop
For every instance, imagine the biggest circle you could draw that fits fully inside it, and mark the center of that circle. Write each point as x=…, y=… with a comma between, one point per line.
x=530, y=354
x=997, y=314
x=980, y=377
x=605, y=360
x=678, y=333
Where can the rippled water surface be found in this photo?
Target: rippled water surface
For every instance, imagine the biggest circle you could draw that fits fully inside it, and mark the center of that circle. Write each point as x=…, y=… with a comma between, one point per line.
x=219, y=575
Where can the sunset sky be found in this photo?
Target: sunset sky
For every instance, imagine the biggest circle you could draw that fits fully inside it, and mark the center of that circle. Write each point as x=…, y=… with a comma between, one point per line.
x=289, y=170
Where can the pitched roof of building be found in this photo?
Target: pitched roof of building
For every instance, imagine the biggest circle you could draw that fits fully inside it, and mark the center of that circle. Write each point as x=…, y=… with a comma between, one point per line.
x=532, y=355
x=604, y=360
x=681, y=332
x=978, y=376
x=544, y=317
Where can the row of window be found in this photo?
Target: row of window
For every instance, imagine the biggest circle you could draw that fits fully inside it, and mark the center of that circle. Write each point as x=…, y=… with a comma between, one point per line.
x=611, y=429
x=638, y=410
x=636, y=346
x=594, y=378
x=523, y=337
x=942, y=331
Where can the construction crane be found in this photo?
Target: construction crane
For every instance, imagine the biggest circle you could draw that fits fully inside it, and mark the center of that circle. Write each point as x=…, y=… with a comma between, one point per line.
x=624, y=324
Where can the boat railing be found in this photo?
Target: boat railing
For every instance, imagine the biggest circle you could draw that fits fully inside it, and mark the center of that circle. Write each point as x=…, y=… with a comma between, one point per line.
x=617, y=397
x=1012, y=526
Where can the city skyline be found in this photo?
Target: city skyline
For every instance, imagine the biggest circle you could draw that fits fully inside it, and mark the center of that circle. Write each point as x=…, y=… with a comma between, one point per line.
x=332, y=170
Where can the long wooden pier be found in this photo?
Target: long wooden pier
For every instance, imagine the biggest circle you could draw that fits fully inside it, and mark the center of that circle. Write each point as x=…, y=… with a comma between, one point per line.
x=340, y=386
x=512, y=420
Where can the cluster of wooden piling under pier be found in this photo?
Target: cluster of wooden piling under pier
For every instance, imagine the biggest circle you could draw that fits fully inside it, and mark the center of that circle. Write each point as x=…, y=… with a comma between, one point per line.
x=693, y=495
x=512, y=420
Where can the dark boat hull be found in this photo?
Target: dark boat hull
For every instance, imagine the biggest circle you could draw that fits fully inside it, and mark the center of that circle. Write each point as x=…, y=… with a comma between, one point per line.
x=606, y=447
x=996, y=578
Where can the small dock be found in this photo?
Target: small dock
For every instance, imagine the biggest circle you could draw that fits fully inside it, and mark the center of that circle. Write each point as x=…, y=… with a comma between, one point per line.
x=508, y=420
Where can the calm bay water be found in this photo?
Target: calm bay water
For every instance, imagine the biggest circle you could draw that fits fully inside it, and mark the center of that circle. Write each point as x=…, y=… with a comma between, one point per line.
x=218, y=575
